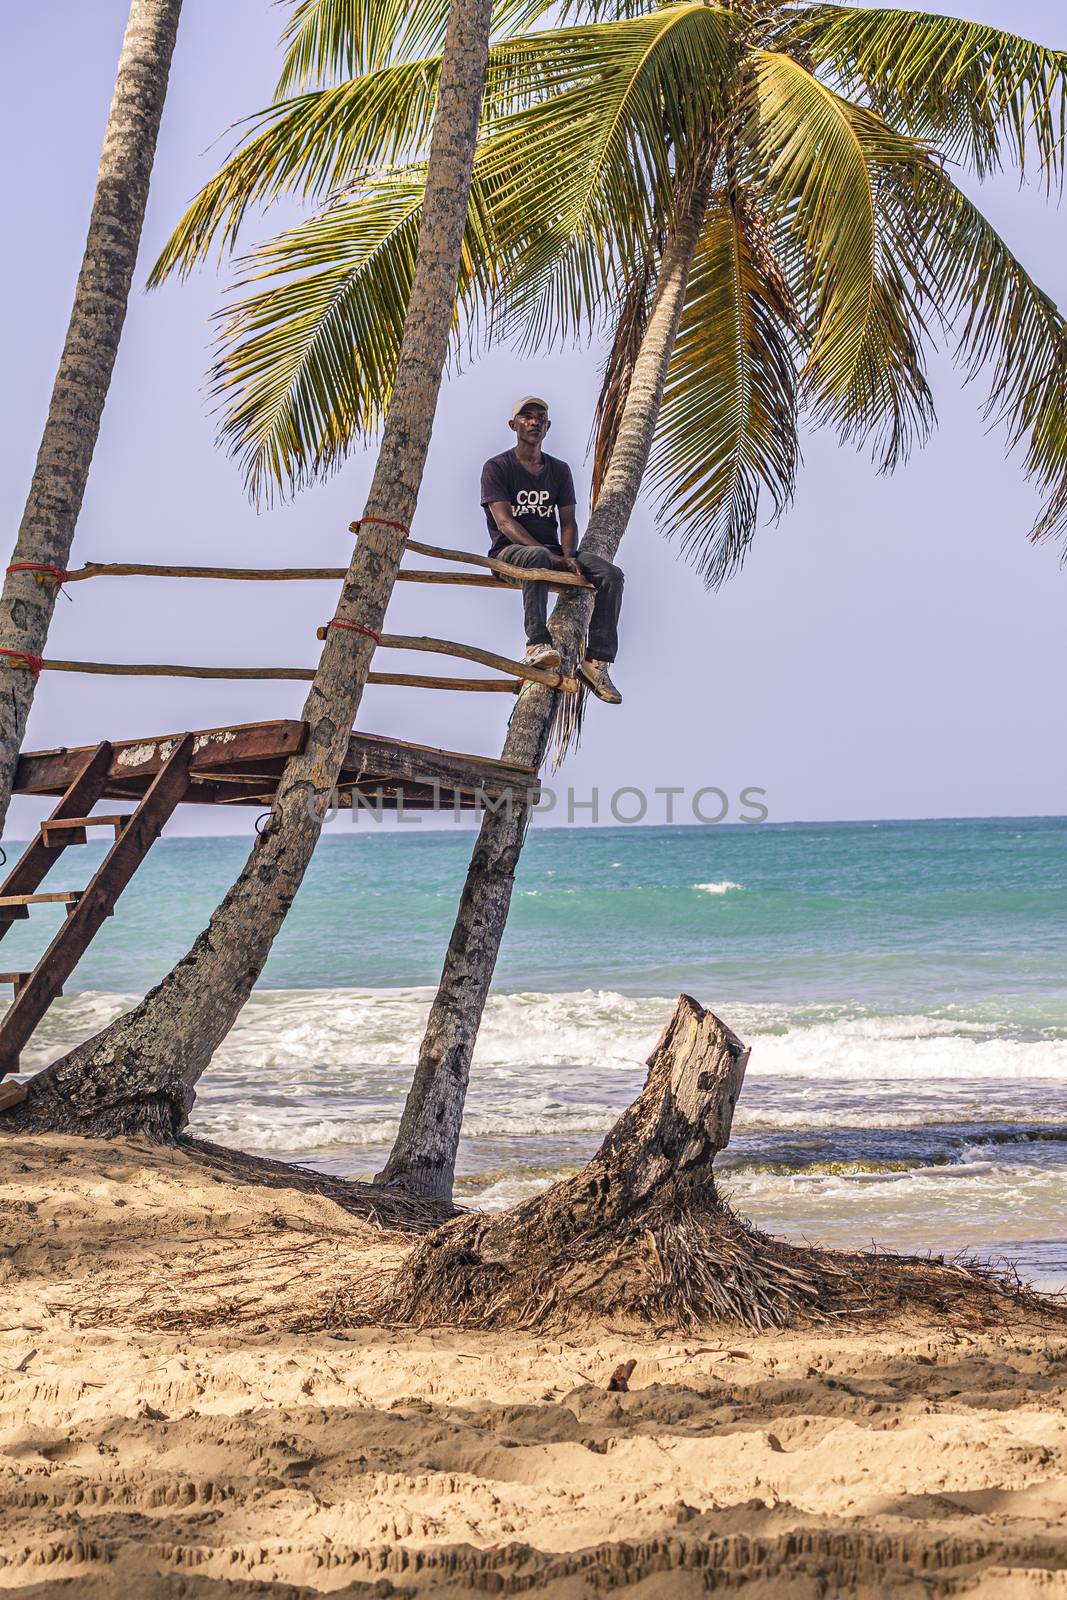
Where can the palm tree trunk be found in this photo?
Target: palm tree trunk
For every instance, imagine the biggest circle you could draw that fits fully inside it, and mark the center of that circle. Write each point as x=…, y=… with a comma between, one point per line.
x=88, y=360
x=138, y=1074
x=423, y=1158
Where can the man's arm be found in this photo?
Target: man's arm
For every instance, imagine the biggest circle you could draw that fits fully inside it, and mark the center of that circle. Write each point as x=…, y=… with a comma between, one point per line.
x=568, y=536
x=517, y=534
x=513, y=531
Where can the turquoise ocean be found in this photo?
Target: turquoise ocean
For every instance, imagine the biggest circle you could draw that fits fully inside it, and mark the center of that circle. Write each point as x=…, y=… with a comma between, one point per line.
x=903, y=986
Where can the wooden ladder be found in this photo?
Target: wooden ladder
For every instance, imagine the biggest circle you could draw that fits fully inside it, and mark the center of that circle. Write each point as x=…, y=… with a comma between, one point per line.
x=88, y=908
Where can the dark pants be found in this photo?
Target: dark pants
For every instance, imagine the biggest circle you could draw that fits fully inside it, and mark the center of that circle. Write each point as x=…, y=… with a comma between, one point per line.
x=603, y=642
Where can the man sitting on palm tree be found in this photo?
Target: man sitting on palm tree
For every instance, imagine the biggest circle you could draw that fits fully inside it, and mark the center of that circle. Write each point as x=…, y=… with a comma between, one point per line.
x=529, y=505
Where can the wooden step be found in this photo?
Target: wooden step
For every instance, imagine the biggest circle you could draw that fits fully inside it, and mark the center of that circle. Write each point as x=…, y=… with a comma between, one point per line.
x=12, y=1094
x=17, y=980
x=84, y=787
x=89, y=907
x=18, y=905
x=74, y=828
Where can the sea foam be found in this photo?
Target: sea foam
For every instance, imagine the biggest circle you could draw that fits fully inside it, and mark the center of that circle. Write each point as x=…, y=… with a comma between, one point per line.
x=296, y=1035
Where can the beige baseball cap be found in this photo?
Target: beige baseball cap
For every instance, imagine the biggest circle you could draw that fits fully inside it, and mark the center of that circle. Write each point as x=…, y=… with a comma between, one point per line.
x=528, y=400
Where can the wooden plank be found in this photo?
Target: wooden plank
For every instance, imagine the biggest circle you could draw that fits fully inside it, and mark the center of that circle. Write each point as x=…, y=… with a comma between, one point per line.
x=241, y=764
x=220, y=794
x=372, y=762
x=407, y=680
x=138, y=569
x=75, y=827
x=406, y=745
x=469, y=652
x=52, y=898
x=494, y=580
x=569, y=580
x=95, y=904
x=44, y=771
x=155, y=669
x=81, y=786
x=177, y=669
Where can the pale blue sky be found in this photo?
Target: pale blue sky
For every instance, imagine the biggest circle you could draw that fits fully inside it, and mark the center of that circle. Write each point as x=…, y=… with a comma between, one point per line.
x=893, y=648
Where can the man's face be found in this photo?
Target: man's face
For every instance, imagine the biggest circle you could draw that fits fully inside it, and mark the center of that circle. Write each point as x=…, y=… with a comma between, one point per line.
x=531, y=425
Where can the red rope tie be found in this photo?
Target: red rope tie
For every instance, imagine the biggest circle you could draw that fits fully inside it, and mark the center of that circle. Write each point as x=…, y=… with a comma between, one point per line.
x=60, y=574
x=355, y=627
x=383, y=522
x=24, y=660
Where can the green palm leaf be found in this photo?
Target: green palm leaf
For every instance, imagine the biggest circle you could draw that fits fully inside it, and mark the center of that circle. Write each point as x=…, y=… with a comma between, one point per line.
x=1006, y=326
x=828, y=164
x=594, y=100
x=307, y=364
x=728, y=425
x=979, y=92
x=328, y=40
x=596, y=160
x=308, y=146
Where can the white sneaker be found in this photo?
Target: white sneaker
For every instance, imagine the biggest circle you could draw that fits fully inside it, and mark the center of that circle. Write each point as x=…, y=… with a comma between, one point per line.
x=542, y=655
x=596, y=676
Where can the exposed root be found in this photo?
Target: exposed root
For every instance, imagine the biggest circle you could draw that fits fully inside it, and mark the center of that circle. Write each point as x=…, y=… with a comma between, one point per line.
x=641, y=1235
x=381, y=1207
x=678, y=1272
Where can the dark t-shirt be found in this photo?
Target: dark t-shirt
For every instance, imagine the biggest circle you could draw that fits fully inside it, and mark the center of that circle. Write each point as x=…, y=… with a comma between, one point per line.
x=534, y=497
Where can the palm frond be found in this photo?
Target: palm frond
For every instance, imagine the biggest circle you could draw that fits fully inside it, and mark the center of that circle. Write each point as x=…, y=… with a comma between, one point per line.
x=330, y=40
x=1007, y=327
x=327, y=40
x=828, y=165
x=888, y=404
x=981, y=94
x=728, y=426
x=306, y=358
x=593, y=85
x=597, y=158
x=308, y=147
x=307, y=364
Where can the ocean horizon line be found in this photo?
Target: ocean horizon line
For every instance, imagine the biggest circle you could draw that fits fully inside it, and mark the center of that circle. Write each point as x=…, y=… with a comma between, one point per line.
x=390, y=828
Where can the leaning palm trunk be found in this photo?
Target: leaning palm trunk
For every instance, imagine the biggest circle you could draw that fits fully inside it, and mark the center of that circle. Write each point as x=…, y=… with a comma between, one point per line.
x=138, y=1074
x=88, y=360
x=423, y=1157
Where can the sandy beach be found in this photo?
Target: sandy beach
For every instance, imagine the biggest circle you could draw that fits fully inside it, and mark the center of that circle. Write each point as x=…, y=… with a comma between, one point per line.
x=167, y=1428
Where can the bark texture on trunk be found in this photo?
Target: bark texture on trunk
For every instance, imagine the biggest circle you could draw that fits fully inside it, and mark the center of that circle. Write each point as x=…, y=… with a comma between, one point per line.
x=48, y=522
x=423, y=1157
x=640, y=1231
x=138, y=1075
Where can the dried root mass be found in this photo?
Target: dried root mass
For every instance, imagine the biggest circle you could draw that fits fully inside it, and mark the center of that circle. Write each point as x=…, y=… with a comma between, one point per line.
x=641, y=1233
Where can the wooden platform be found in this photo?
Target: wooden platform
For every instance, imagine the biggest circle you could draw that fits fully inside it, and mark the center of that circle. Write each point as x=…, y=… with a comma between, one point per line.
x=240, y=765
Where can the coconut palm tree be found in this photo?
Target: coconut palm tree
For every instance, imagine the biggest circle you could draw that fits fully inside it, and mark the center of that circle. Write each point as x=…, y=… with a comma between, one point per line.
x=835, y=128
x=46, y=532
x=754, y=197
x=138, y=1074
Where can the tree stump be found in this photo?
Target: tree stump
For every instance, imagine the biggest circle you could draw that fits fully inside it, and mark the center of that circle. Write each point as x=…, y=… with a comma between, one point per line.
x=641, y=1236
x=641, y=1231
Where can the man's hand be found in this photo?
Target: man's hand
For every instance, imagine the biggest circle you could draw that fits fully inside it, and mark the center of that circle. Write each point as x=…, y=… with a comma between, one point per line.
x=566, y=564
